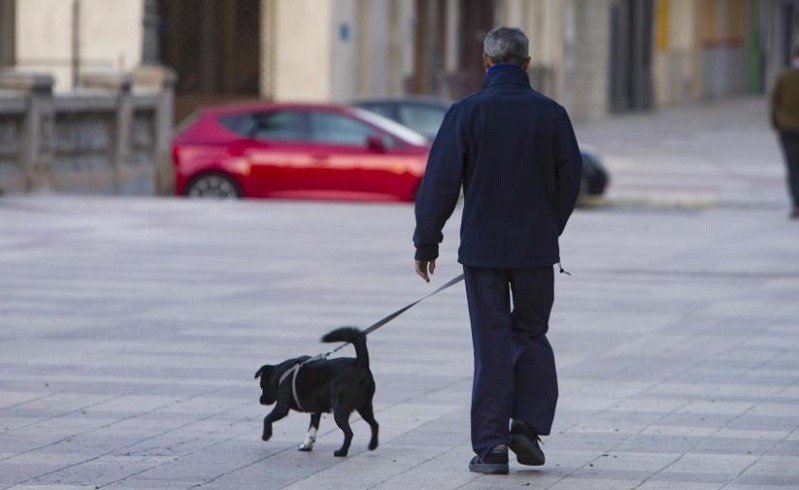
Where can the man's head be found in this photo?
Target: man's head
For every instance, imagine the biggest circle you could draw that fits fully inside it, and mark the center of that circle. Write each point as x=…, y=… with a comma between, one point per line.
x=506, y=45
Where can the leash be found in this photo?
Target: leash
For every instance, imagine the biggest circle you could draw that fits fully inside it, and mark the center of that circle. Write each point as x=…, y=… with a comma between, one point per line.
x=296, y=368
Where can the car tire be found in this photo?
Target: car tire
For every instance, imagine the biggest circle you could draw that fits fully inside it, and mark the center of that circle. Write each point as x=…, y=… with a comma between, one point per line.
x=213, y=185
x=585, y=183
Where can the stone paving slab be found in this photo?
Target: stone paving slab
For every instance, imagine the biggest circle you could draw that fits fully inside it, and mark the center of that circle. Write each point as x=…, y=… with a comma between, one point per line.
x=130, y=330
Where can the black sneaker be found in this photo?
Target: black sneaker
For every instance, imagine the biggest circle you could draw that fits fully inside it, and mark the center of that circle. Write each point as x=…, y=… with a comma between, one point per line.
x=496, y=463
x=524, y=442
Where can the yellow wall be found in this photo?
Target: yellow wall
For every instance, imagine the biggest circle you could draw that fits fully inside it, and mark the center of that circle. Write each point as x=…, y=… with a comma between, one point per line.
x=676, y=46
x=662, y=21
x=723, y=21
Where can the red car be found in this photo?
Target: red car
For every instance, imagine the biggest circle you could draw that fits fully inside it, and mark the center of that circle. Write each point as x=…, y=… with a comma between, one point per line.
x=309, y=151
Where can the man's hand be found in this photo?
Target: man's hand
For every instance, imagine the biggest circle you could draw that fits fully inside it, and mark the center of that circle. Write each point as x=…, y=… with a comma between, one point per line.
x=423, y=266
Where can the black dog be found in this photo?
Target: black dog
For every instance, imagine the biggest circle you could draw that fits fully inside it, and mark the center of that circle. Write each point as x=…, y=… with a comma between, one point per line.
x=339, y=385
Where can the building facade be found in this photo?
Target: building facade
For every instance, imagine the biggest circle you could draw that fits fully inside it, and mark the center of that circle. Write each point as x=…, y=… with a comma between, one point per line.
x=66, y=37
x=595, y=56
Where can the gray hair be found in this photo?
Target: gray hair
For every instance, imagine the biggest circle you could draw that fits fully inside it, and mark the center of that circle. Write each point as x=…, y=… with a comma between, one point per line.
x=506, y=45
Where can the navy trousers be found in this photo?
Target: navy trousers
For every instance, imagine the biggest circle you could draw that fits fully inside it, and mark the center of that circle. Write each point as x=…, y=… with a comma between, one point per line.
x=514, y=366
x=790, y=148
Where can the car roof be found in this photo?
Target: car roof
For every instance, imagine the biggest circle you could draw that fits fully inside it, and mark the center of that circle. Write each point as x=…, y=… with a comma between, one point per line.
x=249, y=106
x=413, y=99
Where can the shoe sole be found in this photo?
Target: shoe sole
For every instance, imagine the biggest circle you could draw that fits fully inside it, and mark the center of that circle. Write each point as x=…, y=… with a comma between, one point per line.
x=490, y=469
x=526, y=452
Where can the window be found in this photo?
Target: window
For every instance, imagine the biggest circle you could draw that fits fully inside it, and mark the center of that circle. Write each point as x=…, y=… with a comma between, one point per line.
x=276, y=126
x=281, y=126
x=423, y=119
x=332, y=128
x=384, y=110
x=241, y=124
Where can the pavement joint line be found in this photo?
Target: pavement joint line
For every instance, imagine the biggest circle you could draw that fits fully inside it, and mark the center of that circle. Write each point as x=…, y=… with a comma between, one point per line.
x=700, y=362
x=289, y=448
x=239, y=468
x=590, y=463
x=189, y=453
x=694, y=273
x=403, y=471
x=697, y=443
x=654, y=204
x=662, y=416
x=110, y=425
x=23, y=403
x=685, y=318
x=756, y=458
x=335, y=429
x=70, y=412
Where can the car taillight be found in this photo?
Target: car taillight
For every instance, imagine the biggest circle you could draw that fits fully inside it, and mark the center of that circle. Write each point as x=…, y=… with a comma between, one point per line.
x=175, y=154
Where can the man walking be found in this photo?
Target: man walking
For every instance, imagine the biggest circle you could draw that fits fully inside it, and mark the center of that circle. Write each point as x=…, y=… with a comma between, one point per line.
x=785, y=119
x=514, y=152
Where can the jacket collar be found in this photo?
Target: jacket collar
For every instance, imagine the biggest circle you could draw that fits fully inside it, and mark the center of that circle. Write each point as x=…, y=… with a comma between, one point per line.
x=506, y=74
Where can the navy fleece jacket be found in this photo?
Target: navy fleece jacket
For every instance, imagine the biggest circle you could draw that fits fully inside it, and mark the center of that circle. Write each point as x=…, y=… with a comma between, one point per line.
x=515, y=153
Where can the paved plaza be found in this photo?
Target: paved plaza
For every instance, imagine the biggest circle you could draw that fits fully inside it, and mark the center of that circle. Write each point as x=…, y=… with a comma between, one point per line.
x=130, y=330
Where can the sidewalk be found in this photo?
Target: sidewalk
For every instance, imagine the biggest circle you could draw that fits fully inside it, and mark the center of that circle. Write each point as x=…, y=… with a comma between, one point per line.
x=130, y=330
x=714, y=153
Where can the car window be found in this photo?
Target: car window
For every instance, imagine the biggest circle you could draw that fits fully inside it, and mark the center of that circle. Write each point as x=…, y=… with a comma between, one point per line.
x=424, y=119
x=332, y=128
x=280, y=126
x=384, y=110
x=241, y=124
x=392, y=127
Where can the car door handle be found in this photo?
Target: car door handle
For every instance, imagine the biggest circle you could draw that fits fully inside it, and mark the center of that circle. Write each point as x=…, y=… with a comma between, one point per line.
x=322, y=157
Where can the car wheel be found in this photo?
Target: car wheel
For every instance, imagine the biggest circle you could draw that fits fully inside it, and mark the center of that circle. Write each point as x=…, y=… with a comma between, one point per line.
x=213, y=186
x=584, y=186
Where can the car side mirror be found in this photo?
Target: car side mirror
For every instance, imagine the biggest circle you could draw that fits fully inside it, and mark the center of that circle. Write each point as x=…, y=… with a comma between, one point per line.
x=376, y=143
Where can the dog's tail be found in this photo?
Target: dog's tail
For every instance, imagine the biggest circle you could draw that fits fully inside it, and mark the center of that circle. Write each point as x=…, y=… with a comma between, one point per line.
x=356, y=338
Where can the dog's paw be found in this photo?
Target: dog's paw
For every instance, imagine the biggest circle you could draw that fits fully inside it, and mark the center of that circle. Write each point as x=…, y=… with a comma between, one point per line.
x=304, y=448
x=266, y=436
x=372, y=445
x=340, y=453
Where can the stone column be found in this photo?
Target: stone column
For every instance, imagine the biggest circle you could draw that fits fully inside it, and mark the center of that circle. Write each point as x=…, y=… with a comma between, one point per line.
x=162, y=79
x=121, y=85
x=37, y=130
x=586, y=88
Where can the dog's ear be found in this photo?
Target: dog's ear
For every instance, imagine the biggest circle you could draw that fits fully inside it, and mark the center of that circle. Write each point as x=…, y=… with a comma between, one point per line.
x=265, y=369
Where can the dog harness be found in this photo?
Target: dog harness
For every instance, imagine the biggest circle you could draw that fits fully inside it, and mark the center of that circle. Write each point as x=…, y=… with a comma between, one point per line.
x=295, y=370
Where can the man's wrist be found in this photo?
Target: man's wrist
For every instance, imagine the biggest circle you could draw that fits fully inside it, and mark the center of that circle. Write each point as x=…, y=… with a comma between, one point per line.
x=426, y=252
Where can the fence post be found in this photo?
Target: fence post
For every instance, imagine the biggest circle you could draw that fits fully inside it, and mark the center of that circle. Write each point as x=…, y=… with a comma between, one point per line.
x=37, y=133
x=123, y=119
x=162, y=79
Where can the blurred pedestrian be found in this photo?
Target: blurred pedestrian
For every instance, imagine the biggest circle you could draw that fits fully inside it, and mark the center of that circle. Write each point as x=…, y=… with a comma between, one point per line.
x=785, y=119
x=515, y=153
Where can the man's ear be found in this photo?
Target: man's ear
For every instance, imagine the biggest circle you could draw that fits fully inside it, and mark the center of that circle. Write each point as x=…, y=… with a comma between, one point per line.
x=526, y=63
x=486, y=61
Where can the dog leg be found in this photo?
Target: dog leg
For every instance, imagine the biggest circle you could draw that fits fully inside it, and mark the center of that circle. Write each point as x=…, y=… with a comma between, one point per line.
x=310, y=437
x=342, y=418
x=276, y=414
x=368, y=415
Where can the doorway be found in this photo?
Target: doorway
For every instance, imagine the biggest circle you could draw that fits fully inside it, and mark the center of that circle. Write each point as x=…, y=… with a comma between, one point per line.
x=631, y=55
x=215, y=49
